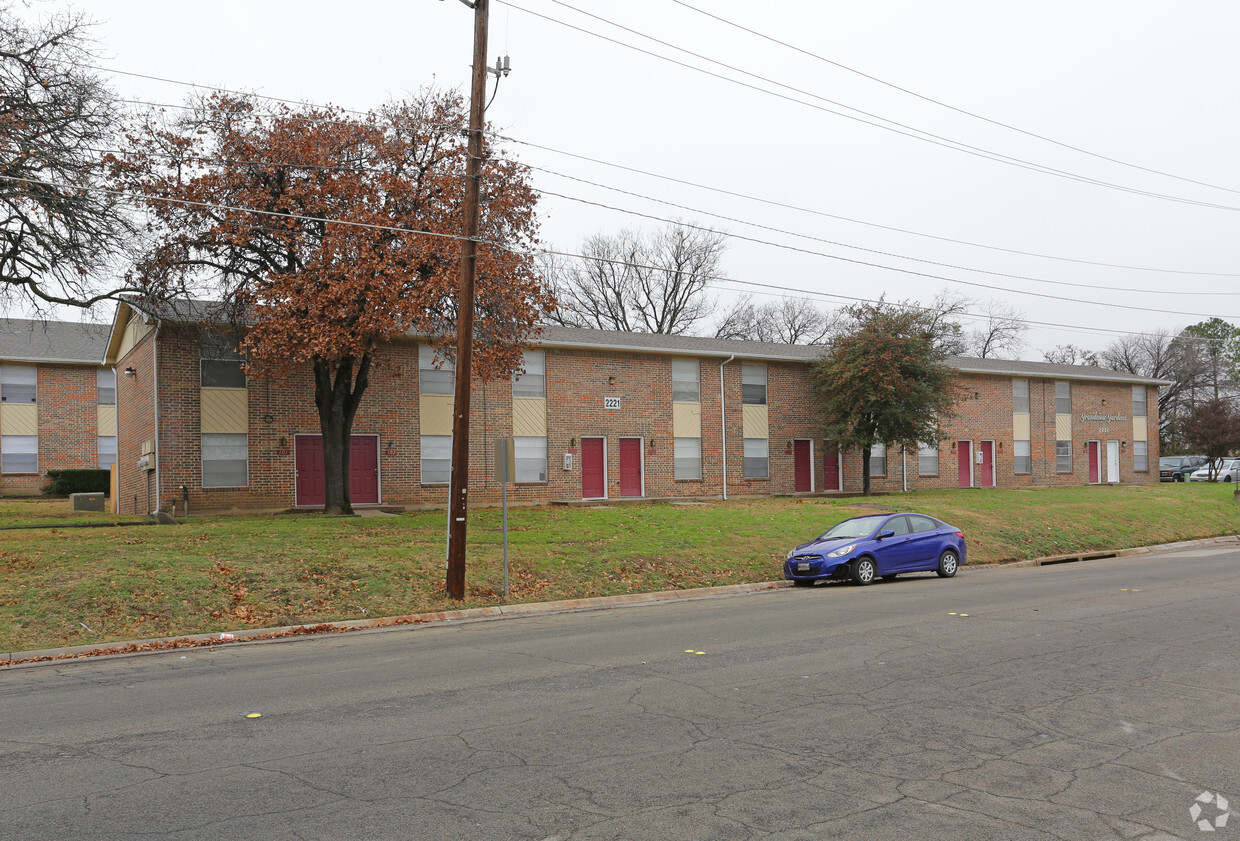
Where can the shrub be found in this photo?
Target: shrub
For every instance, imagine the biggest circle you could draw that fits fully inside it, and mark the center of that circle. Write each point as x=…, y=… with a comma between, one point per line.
x=65, y=482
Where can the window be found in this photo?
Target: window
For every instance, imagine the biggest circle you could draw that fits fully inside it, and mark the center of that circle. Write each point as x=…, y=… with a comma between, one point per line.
x=18, y=383
x=753, y=385
x=1140, y=456
x=1020, y=397
x=687, y=381
x=878, y=460
x=105, y=387
x=757, y=458
x=19, y=453
x=107, y=451
x=1138, y=401
x=225, y=460
x=687, y=458
x=432, y=380
x=532, y=383
x=899, y=525
x=928, y=459
x=437, y=459
x=221, y=362
x=1063, y=456
x=921, y=524
x=530, y=452
x=1023, y=462
x=1063, y=398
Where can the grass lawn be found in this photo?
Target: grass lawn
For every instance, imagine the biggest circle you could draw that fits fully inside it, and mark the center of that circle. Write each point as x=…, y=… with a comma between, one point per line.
x=224, y=573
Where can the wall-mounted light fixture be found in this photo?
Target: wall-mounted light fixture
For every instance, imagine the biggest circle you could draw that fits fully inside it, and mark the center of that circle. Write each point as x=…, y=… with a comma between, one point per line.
x=789, y=447
x=977, y=395
x=130, y=372
x=650, y=444
x=1000, y=446
x=572, y=442
x=953, y=446
x=1104, y=401
x=1085, y=446
x=1123, y=445
x=390, y=446
x=611, y=380
x=283, y=442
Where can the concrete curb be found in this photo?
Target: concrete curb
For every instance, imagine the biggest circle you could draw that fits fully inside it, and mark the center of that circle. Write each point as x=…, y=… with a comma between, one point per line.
x=15, y=659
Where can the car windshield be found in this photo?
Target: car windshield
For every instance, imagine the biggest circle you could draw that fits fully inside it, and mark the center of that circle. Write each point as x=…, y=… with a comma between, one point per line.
x=859, y=527
x=1168, y=462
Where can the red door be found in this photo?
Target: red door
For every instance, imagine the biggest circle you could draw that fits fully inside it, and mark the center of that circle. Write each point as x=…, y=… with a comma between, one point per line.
x=630, y=467
x=1095, y=471
x=801, y=461
x=311, y=484
x=987, y=449
x=308, y=462
x=964, y=463
x=830, y=466
x=364, y=469
x=593, y=484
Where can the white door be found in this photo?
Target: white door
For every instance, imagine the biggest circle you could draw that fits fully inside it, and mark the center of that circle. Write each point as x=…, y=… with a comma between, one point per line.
x=1113, y=461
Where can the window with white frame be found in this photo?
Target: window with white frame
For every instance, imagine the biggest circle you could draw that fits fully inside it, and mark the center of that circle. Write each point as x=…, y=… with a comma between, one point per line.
x=221, y=364
x=1140, y=456
x=105, y=387
x=436, y=459
x=1022, y=460
x=533, y=381
x=530, y=452
x=686, y=381
x=757, y=458
x=1020, y=397
x=18, y=383
x=225, y=460
x=687, y=458
x=1063, y=456
x=927, y=459
x=753, y=384
x=878, y=460
x=1063, y=397
x=1138, y=401
x=106, y=451
x=19, y=454
x=434, y=380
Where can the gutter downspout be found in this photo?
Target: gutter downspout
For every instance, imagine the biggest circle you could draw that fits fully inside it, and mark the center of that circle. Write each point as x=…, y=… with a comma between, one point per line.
x=904, y=465
x=723, y=426
x=159, y=464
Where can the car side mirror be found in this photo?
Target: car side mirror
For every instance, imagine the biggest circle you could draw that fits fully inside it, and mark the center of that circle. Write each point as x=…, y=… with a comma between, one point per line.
x=886, y=534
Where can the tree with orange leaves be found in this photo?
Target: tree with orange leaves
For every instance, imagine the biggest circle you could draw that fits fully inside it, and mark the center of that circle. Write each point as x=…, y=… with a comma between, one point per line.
x=328, y=234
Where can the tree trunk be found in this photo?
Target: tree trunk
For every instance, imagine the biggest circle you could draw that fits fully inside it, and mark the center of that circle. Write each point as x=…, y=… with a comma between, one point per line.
x=865, y=469
x=337, y=398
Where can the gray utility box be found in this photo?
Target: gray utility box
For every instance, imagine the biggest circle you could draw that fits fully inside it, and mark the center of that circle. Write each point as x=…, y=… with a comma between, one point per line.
x=88, y=502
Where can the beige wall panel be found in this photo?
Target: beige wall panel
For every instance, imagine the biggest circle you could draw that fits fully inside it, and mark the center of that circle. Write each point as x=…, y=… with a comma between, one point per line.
x=225, y=410
x=134, y=331
x=687, y=420
x=529, y=416
x=107, y=420
x=1020, y=426
x=19, y=419
x=435, y=414
x=754, y=422
x=1063, y=427
x=1138, y=429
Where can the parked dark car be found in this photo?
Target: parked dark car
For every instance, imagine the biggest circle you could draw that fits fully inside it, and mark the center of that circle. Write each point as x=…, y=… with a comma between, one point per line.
x=878, y=546
x=1178, y=468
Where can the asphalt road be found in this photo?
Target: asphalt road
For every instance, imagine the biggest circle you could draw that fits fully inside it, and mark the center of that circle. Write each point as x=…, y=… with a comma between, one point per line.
x=1086, y=701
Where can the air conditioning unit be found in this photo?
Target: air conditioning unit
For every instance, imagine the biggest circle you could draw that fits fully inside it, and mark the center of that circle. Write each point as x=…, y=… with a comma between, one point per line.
x=144, y=462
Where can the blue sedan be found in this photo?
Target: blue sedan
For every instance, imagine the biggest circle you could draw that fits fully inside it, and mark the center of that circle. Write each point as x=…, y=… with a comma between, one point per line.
x=878, y=546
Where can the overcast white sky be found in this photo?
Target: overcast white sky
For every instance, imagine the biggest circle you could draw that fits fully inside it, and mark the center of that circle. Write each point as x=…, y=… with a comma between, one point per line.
x=1145, y=83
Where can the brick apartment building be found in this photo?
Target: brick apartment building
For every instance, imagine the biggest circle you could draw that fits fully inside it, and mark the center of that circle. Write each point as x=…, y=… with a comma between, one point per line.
x=596, y=415
x=57, y=402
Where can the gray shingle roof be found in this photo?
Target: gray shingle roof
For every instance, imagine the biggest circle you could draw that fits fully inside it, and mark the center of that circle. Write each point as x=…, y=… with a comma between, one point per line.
x=26, y=340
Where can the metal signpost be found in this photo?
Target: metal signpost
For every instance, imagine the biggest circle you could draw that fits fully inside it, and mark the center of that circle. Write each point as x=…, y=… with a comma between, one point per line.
x=505, y=468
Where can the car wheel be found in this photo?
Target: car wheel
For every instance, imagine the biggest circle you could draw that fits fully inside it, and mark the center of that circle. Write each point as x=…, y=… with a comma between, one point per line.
x=1179, y=477
x=948, y=563
x=863, y=571
x=1227, y=478
x=801, y=582
x=891, y=576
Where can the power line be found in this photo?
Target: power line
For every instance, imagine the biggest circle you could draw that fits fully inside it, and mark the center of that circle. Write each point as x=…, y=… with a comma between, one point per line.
x=904, y=130
x=948, y=106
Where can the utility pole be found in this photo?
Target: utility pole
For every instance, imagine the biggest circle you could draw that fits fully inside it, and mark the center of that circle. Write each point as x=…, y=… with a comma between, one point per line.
x=458, y=501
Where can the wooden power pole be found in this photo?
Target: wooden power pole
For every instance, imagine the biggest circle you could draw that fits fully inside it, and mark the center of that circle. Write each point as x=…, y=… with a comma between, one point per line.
x=458, y=490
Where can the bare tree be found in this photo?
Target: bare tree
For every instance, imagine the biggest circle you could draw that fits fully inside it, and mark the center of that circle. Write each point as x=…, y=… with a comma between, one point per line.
x=1001, y=335
x=789, y=321
x=1162, y=355
x=1070, y=354
x=645, y=283
x=941, y=320
x=57, y=120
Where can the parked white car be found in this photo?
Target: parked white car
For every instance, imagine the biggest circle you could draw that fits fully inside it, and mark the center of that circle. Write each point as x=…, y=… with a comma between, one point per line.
x=1228, y=470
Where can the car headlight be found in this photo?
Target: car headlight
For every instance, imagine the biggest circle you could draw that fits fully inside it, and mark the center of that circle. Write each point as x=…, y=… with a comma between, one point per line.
x=791, y=552
x=843, y=550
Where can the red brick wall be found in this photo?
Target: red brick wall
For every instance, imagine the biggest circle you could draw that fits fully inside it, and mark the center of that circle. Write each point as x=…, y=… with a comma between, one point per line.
x=67, y=425
x=135, y=424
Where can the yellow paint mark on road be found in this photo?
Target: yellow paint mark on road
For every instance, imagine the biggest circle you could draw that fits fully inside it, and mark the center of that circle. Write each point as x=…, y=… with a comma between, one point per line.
x=255, y=715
